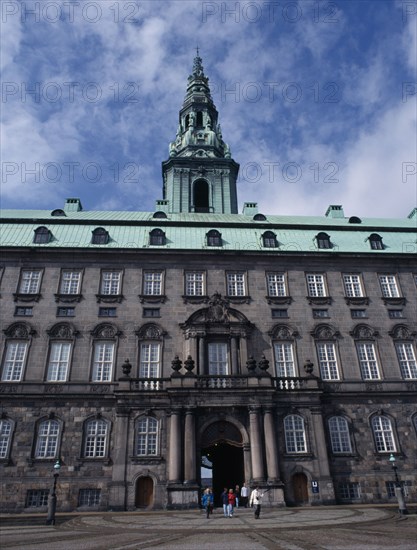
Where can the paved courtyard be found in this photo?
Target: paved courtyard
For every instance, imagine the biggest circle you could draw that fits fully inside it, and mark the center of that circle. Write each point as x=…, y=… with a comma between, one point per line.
x=324, y=528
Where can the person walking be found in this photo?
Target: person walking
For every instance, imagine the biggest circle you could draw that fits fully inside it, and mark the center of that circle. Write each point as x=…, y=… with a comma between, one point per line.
x=225, y=501
x=232, y=502
x=207, y=502
x=244, y=494
x=256, y=500
x=237, y=495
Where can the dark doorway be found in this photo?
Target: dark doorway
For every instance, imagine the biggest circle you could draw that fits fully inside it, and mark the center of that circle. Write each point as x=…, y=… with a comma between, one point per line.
x=144, y=492
x=227, y=467
x=201, y=196
x=299, y=482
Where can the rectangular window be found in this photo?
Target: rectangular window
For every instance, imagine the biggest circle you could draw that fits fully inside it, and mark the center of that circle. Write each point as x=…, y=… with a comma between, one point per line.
x=236, y=284
x=389, y=286
x=23, y=311
x=284, y=360
x=95, y=439
x=107, y=311
x=327, y=361
x=14, y=361
x=110, y=283
x=65, y=312
x=103, y=362
x=320, y=313
x=218, y=358
x=5, y=437
x=395, y=313
x=59, y=357
x=349, y=491
x=279, y=313
x=358, y=313
x=149, y=360
x=70, y=282
x=353, y=286
x=407, y=360
x=37, y=498
x=315, y=285
x=194, y=283
x=47, y=441
x=30, y=281
x=89, y=497
x=152, y=283
x=151, y=312
x=367, y=361
x=276, y=284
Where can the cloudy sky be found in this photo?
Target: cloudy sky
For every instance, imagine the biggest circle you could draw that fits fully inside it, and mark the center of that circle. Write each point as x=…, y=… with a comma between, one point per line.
x=317, y=100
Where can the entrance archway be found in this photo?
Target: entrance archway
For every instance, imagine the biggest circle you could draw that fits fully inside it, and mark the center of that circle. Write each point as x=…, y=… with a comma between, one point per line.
x=144, y=492
x=222, y=448
x=299, y=483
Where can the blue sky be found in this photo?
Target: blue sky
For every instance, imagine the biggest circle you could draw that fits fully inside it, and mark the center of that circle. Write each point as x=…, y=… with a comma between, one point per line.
x=317, y=100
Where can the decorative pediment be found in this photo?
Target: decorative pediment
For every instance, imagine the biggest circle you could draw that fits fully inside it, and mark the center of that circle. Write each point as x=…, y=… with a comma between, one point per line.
x=325, y=332
x=218, y=312
x=283, y=332
x=62, y=330
x=19, y=330
x=401, y=332
x=150, y=331
x=105, y=331
x=364, y=332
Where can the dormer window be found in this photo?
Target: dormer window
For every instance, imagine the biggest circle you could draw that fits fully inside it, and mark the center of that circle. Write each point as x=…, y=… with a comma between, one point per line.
x=157, y=237
x=214, y=238
x=58, y=212
x=375, y=241
x=42, y=235
x=355, y=219
x=269, y=240
x=100, y=236
x=160, y=215
x=259, y=218
x=323, y=241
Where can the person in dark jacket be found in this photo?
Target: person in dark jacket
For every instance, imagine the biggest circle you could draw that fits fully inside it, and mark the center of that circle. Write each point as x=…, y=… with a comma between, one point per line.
x=225, y=501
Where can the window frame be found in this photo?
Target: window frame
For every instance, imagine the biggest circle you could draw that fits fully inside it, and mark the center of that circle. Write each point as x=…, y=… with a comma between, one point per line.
x=100, y=236
x=353, y=289
x=285, y=368
x=368, y=371
x=216, y=360
x=269, y=240
x=233, y=285
x=102, y=370
x=384, y=438
x=214, y=238
x=339, y=435
x=34, y=286
x=193, y=284
x=323, y=241
x=106, y=288
x=273, y=284
x=88, y=491
x=404, y=364
x=295, y=436
x=388, y=286
x=42, y=235
x=50, y=368
x=147, y=440
x=328, y=372
x=8, y=373
x=314, y=285
x=70, y=291
x=52, y=440
x=6, y=438
x=157, y=237
x=148, y=367
x=153, y=282
x=100, y=441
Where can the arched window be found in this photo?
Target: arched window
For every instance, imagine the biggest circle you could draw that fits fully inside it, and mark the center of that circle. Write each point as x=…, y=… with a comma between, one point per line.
x=295, y=437
x=159, y=214
x=367, y=352
x=95, y=438
x=375, y=241
x=284, y=352
x=100, y=236
x=146, y=436
x=269, y=240
x=62, y=337
x=339, y=435
x=259, y=217
x=214, y=238
x=6, y=432
x=406, y=353
x=42, y=235
x=104, y=352
x=47, y=440
x=58, y=212
x=355, y=219
x=150, y=338
x=16, y=351
x=323, y=240
x=201, y=196
x=199, y=118
x=383, y=434
x=157, y=237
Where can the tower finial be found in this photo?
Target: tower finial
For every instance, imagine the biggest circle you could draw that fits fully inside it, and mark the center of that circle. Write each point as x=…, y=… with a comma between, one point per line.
x=198, y=64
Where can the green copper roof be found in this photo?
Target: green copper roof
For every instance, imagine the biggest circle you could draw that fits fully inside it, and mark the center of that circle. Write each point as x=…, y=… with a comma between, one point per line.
x=188, y=231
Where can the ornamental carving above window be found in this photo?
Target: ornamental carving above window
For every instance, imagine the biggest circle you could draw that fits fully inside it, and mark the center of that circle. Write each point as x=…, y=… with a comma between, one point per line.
x=325, y=332
x=62, y=330
x=364, y=332
x=283, y=332
x=105, y=331
x=402, y=332
x=150, y=332
x=19, y=330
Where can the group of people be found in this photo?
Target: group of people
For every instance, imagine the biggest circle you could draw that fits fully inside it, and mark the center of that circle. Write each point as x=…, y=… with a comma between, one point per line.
x=232, y=498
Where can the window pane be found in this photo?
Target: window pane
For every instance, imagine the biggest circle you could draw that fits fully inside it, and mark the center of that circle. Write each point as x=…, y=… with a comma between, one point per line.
x=315, y=285
x=14, y=361
x=194, y=283
x=5, y=436
x=149, y=360
x=103, y=362
x=294, y=434
x=152, y=283
x=95, y=439
x=58, y=362
x=276, y=284
x=339, y=435
x=70, y=282
x=110, y=282
x=236, y=284
x=284, y=360
x=29, y=283
x=47, y=442
x=407, y=360
x=389, y=286
x=218, y=358
x=327, y=361
x=384, y=437
x=368, y=362
x=353, y=287
x=147, y=436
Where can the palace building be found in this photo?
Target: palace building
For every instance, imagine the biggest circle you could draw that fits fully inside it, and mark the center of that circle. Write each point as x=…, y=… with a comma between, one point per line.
x=137, y=347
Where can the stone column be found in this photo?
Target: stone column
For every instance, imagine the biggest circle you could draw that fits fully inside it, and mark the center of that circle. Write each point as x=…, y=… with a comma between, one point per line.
x=201, y=356
x=174, y=475
x=189, y=448
x=233, y=349
x=271, y=446
x=320, y=439
x=255, y=445
x=118, y=488
x=243, y=348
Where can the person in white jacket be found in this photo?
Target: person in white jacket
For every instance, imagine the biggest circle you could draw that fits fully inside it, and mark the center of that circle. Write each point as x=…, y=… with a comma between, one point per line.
x=256, y=500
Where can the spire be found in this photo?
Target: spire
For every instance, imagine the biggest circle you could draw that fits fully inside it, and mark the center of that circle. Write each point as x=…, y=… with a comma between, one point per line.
x=200, y=175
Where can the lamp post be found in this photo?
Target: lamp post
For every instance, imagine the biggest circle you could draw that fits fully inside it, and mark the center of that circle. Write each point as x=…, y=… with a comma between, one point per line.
x=399, y=493
x=52, y=496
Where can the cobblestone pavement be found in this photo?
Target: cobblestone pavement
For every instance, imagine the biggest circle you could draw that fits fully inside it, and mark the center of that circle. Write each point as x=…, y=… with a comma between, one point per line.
x=324, y=528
